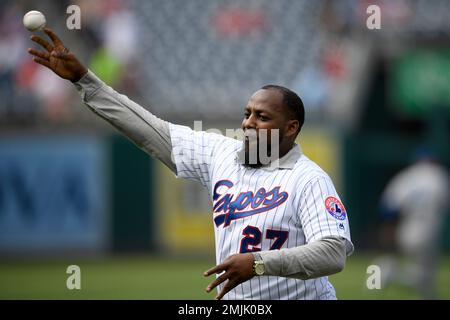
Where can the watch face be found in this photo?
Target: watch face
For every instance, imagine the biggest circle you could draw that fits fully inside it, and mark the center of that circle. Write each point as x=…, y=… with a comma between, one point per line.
x=259, y=269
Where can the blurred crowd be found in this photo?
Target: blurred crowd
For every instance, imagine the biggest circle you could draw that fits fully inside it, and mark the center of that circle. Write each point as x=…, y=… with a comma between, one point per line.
x=107, y=43
x=30, y=94
x=200, y=57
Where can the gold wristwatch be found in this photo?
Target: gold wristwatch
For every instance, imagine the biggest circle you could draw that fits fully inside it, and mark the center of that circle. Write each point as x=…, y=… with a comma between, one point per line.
x=258, y=268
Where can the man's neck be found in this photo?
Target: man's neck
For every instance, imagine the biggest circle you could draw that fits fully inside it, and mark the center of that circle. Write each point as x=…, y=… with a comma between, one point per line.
x=259, y=164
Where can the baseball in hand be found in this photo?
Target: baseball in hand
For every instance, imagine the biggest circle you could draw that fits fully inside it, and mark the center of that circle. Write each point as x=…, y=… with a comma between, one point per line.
x=34, y=20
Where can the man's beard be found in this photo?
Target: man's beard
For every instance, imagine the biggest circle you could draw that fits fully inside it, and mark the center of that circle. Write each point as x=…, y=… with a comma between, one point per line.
x=260, y=148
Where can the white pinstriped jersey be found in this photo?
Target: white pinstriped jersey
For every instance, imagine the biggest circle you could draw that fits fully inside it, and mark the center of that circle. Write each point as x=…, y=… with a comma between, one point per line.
x=258, y=210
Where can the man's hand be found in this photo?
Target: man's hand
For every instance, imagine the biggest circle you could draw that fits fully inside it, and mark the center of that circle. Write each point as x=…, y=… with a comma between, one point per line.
x=57, y=57
x=238, y=268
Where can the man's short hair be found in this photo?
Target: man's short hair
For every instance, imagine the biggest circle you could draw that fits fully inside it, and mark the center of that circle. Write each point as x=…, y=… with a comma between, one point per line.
x=292, y=102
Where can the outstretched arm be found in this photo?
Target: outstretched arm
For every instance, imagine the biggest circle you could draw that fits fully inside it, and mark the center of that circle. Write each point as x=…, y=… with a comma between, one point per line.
x=143, y=128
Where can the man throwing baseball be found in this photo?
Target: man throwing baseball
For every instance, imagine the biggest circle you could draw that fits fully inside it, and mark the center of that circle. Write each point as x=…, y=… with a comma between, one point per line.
x=280, y=227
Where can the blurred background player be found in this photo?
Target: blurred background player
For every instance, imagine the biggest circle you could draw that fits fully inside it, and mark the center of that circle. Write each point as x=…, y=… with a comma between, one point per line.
x=413, y=207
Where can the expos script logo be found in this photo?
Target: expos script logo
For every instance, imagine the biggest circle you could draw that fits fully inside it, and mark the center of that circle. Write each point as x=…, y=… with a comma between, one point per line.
x=245, y=203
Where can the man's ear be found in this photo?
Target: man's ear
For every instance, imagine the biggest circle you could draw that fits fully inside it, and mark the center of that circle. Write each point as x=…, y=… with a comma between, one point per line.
x=291, y=127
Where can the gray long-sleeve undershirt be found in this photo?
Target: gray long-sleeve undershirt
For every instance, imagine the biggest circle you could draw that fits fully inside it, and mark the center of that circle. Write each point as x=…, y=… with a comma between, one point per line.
x=151, y=134
x=316, y=259
x=147, y=131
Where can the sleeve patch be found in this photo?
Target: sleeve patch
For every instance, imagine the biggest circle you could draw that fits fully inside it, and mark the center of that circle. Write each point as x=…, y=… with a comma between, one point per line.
x=335, y=207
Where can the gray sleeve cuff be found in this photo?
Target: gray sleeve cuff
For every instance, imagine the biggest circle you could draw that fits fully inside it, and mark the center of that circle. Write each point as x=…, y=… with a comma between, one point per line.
x=272, y=261
x=88, y=85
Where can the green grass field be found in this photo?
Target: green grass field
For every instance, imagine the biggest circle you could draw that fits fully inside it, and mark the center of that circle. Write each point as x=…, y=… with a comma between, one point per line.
x=157, y=278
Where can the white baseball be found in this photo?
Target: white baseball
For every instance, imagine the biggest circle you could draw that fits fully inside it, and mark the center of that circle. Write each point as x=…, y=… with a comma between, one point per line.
x=34, y=20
